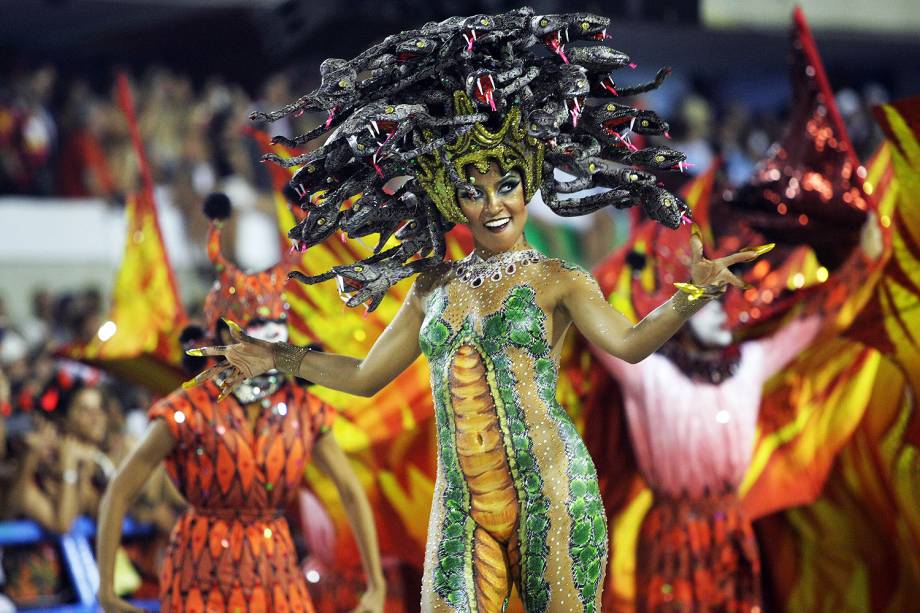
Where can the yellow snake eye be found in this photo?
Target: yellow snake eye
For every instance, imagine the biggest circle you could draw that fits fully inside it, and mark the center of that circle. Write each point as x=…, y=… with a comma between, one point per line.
x=611, y=107
x=390, y=109
x=358, y=268
x=544, y=23
x=321, y=221
x=645, y=122
x=585, y=25
x=484, y=21
x=343, y=83
x=659, y=158
x=311, y=168
x=420, y=44
x=592, y=167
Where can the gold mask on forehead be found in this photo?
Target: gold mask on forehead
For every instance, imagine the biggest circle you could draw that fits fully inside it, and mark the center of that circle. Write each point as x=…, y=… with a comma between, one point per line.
x=510, y=147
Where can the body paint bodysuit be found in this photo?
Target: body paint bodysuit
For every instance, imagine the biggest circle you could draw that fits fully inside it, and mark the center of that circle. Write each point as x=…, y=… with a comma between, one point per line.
x=516, y=496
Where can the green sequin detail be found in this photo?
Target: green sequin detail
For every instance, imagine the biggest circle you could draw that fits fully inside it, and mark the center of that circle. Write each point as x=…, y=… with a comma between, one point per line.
x=519, y=323
x=500, y=330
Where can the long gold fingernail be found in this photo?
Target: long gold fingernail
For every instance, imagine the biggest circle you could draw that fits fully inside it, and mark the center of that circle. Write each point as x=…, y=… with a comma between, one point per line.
x=189, y=384
x=762, y=249
x=198, y=353
x=232, y=324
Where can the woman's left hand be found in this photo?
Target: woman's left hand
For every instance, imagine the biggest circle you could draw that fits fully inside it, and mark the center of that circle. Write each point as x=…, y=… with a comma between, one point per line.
x=705, y=272
x=372, y=601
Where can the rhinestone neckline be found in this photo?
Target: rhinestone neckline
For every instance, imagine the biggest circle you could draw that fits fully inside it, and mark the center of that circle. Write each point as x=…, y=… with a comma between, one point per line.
x=475, y=271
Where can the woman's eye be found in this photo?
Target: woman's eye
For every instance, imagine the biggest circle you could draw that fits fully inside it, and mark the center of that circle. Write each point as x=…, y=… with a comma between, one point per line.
x=508, y=187
x=472, y=195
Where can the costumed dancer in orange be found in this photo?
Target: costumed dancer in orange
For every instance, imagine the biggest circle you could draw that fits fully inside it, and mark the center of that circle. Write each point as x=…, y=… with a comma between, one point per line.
x=238, y=461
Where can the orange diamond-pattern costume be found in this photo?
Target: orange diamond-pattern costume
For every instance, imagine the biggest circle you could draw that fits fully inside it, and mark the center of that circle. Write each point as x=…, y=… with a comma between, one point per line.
x=232, y=550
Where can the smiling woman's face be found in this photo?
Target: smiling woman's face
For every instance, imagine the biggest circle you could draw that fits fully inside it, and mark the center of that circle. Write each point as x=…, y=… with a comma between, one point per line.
x=495, y=208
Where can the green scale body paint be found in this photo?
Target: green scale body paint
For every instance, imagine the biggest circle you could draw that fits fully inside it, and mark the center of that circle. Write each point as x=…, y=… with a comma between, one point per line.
x=517, y=328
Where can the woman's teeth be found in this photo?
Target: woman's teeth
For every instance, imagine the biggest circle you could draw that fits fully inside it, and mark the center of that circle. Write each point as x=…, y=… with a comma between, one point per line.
x=497, y=225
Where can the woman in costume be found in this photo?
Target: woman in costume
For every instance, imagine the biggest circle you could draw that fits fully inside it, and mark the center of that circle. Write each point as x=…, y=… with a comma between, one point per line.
x=692, y=413
x=238, y=463
x=463, y=121
x=693, y=409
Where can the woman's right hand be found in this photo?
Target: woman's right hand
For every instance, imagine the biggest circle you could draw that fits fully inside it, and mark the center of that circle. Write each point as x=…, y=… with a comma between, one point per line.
x=114, y=604
x=249, y=357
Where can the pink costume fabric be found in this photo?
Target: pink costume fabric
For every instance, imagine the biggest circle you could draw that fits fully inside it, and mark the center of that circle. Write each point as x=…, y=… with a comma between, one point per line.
x=693, y=442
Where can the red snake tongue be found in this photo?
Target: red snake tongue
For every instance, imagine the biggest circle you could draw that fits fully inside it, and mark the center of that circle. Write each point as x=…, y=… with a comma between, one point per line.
x=554, y=42
x=485, y=86
x=331, y=115
x=611, y=125
x=377, y=167
x=347, y=287
x=470, y=37
x=574, y=109
x=608, y=84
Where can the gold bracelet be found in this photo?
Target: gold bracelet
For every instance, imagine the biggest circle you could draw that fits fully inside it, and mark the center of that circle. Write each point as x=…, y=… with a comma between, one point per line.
x=691, y=298
x=288, y=357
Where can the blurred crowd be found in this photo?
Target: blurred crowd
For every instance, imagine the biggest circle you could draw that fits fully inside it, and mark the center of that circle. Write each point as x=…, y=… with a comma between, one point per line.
x=64, y=427
x=68, y=137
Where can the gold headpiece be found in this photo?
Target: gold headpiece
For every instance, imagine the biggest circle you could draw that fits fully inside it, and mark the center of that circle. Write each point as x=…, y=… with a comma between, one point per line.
x=510, y=147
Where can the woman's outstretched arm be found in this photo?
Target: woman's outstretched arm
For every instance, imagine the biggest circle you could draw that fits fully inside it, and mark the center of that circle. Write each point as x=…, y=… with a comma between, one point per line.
x=610, y=331
x=394, y=351
x=133, y=473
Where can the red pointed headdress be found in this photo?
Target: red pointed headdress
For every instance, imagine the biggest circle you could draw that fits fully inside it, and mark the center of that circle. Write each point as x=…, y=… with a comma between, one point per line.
x=236, y=295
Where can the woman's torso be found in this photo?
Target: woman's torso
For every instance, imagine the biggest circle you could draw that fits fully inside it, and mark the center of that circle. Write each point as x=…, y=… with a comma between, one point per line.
x=510, y=460
x=503, y=332
x=224, y=459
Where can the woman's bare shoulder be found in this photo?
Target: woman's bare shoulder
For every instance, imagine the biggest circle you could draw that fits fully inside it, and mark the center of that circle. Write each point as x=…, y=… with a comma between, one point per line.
x=567, y=274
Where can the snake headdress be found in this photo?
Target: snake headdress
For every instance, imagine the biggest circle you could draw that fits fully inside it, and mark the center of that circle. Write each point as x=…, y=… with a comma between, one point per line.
x=531, y=92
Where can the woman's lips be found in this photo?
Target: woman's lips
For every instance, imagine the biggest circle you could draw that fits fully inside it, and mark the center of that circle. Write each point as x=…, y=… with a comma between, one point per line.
x=497, y=225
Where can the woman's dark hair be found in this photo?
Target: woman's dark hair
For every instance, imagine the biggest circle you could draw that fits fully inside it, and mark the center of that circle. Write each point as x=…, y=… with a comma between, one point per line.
x=58, y=393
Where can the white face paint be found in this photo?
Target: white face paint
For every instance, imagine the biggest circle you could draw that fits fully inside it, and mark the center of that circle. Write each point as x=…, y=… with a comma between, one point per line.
x=708, y=326
x=271, y=331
